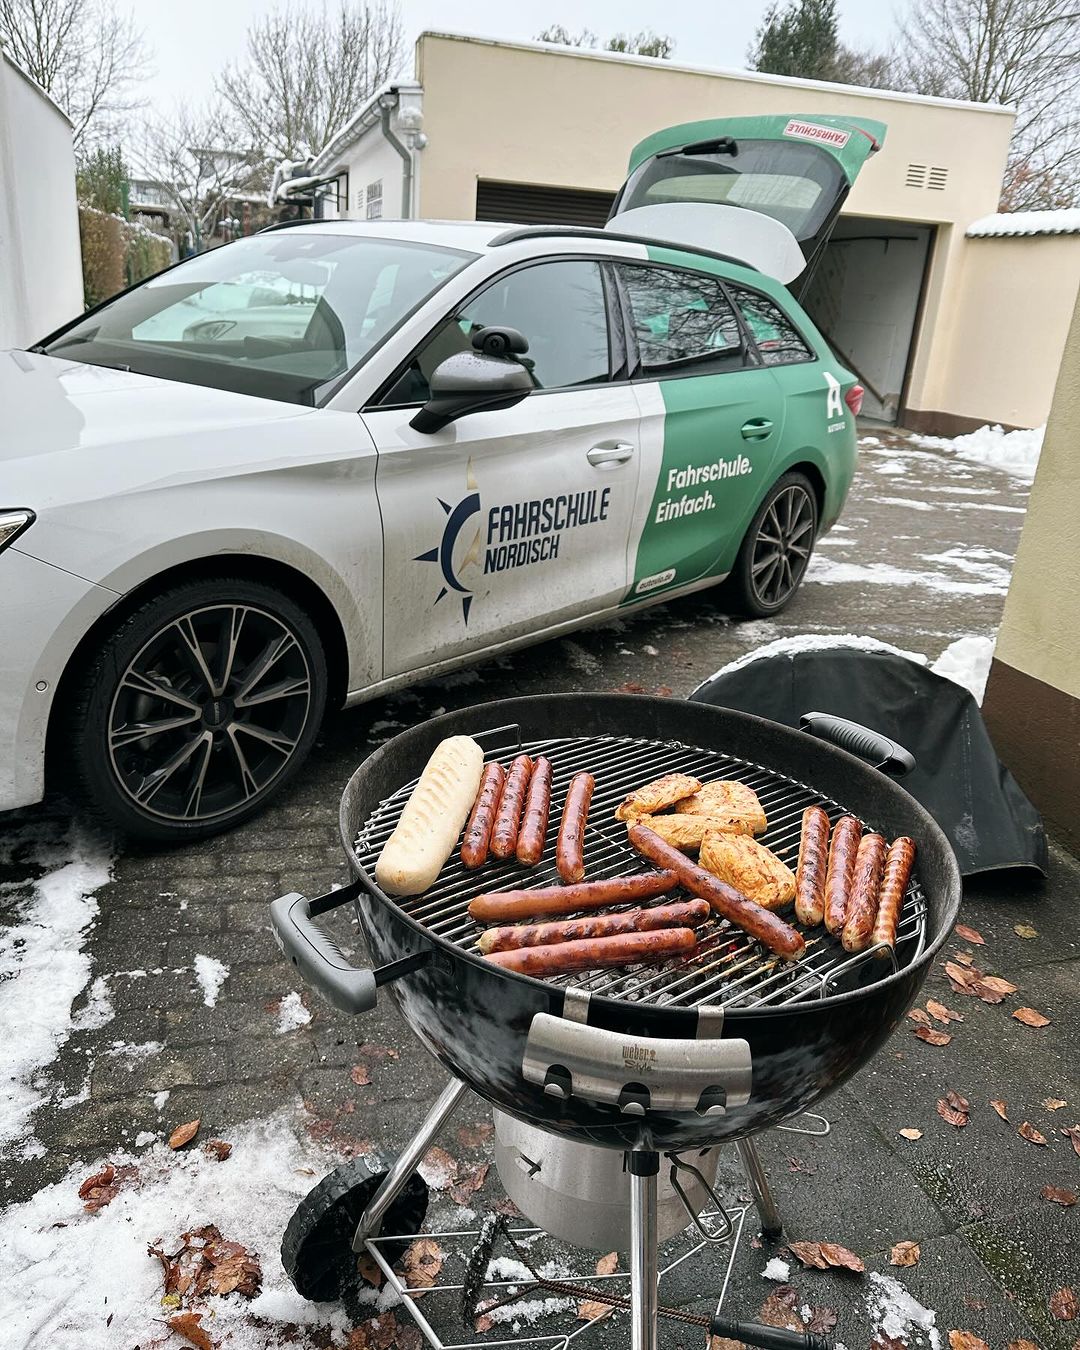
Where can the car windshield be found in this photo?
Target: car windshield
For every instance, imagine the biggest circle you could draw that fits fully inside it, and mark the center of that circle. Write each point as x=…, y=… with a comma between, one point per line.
x=280, y=315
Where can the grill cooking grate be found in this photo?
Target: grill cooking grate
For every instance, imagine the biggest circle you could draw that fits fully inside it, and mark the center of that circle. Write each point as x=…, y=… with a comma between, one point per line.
x=729, y=969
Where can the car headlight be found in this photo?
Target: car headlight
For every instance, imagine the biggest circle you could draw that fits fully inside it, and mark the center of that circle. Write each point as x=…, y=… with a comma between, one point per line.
x=12, y=524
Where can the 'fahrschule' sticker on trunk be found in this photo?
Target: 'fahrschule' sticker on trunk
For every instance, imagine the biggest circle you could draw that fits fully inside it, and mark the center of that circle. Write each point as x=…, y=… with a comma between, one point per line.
x=812, y=131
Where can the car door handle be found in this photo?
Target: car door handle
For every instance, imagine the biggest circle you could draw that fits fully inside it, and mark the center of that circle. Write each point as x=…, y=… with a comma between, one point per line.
x=610, y=452
x=756, y=429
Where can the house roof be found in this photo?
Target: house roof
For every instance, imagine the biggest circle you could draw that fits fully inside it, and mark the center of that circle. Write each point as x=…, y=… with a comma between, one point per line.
x=366, y=116
x=1066, y=221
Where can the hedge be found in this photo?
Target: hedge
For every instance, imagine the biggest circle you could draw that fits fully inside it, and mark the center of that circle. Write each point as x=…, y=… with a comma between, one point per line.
x=116, y=253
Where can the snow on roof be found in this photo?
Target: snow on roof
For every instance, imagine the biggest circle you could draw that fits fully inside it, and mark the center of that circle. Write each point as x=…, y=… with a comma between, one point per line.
x=1066, y=221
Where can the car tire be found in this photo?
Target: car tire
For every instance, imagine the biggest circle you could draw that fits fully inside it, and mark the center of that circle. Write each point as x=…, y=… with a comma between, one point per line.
x=227, y=681
x=776, y=549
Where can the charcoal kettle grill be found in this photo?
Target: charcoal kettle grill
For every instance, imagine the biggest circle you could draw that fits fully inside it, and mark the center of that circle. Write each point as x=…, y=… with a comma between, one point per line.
x=650, y=1067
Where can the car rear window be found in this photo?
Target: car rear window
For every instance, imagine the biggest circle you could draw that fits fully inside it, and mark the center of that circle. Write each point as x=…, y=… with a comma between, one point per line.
x=776, y=337
x=683, y=322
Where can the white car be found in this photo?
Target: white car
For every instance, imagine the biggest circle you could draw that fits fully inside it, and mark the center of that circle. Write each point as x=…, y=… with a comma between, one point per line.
x=481, y=436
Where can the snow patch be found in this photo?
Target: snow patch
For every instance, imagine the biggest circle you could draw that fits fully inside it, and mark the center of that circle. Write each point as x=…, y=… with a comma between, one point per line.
x=1017, y=452
x=898, y=1315
x=909, y=503
x=160, y=1098
x=892, y=466
x=807, y=642
x=835, y=571
x=292, y=1014
x=967, y=661
x=211, y=974
x=777, y=1270
x=97, y=1010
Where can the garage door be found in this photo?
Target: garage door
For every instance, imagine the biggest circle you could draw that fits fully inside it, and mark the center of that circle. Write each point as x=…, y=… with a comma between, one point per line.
x=528, y=204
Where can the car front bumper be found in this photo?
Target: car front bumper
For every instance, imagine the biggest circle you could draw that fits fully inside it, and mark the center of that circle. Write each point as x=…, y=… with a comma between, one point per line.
x=44, y=614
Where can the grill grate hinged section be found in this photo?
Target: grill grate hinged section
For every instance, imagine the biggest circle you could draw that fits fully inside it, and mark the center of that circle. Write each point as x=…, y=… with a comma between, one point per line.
x=729, y=969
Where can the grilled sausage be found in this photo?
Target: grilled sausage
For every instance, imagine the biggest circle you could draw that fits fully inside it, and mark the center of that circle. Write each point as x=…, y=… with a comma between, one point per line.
x=813, y=861
x=503, y=906
x=570, y=848
x=474, y=846
x=681, y=914
x=863, y=904
x=897, y=873
x=504, y=836
x=627, y=950
x=842, y=851
x=534, y=822
x=759, y=923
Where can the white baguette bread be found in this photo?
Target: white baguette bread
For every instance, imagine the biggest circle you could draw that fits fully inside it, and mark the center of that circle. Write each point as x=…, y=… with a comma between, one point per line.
x=428, y=827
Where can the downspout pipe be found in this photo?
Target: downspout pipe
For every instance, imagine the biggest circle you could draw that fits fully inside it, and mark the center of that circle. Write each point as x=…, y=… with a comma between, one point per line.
x=385, y=110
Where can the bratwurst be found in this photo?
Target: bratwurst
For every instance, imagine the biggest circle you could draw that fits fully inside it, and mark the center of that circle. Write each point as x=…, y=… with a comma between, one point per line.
x=628, y=950
x=504, y=906
x=681, y=914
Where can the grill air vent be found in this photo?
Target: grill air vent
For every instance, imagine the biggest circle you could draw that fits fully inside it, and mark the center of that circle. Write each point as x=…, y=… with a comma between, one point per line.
x=916, y=176
x=937, y=179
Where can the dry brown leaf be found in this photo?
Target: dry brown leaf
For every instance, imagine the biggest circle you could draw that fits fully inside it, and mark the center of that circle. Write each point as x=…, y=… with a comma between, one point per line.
x=917, y=1015
x=932, y=1036
x=1025, y=930
x=780, y=1309
x=967, y=959
x=879, y=1341
x=217, y=1148
x=842, y=1257
x=966, y=1340
x=1000, y=1107
x=969, y=934
x=385, y=1332
x=940, y=1013
x=370, y=1271
x=723, y=1343
x=1029, y=1132
x=957, y=1102
x=954, y=1110
x=360, y=1076
x=1073, y=1132
x=822, y=1320
x=440, y=1167
x=474, y=1136
x=422, y=1263
x=463, y=1190
x=184, y=1134
x=1021, y=1345
x=593, y=1311
x=372, y=1051
x=189, y=1325
x=809, y=1254
x=961, y=977
x=911, y=1133
x=905, y=1254
x=1064, y=1305
x=1059, y=1195
x=1030, y=1017
x=97, y=1181
x=1054, y=1103
x=103, y=1187
x=608, y=1265
x=233, y=1269
x=1000, y=987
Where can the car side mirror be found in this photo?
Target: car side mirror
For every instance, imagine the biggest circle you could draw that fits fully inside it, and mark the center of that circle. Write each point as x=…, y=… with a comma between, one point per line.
x=471, y=382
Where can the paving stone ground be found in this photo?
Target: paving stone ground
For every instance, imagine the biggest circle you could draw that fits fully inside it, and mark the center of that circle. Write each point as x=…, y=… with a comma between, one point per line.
x=914, y=565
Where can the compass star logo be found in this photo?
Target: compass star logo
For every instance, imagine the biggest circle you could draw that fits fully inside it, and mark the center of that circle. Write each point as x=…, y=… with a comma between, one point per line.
x=457, y=518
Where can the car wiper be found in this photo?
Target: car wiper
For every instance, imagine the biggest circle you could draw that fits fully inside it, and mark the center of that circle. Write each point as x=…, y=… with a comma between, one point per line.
x=719, y=145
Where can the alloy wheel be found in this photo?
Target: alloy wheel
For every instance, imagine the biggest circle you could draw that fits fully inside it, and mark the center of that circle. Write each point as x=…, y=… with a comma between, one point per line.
x=209, y=712
x=782, y=546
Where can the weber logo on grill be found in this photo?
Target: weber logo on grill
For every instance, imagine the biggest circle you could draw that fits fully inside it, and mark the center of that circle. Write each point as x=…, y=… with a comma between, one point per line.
x=811, y=131
x=638, y=1057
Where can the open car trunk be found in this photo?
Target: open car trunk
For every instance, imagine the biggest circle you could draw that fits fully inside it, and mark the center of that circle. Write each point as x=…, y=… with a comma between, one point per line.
x=776, y=185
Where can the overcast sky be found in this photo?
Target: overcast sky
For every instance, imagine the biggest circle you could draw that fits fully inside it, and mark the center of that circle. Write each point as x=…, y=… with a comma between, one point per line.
x=190, y=41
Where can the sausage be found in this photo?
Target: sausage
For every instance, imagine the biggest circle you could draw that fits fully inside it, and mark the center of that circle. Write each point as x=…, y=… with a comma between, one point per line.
x=681, y=914
x=503, y=906
x=504, y=835
x=534, y=823
x=813, y=860
x=894, y=880
x=759, y=923
x=627, y=950
x=474, y=845
x=842, y=851
x=570, y=848
x=863, y=904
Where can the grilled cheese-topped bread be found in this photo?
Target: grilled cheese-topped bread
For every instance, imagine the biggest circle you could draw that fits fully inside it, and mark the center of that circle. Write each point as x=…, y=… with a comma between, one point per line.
x=656, y=796
x=750, y=867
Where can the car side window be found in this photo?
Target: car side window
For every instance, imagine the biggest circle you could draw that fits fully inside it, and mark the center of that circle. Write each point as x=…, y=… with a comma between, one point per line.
x=776, y=337
x=559, y=307
x=683, y=322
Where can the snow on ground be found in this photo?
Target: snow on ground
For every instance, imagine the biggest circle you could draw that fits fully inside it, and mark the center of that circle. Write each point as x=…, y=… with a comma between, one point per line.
x=824, y=569
x=775, y=1269
x=211, y=974
x=63, y=1272
x=43, y=967
x=1017, y=452
x=897, y=1315
x=291, y=1013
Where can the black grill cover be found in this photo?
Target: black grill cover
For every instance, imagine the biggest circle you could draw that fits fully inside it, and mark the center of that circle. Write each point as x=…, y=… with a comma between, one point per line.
x=958, y=777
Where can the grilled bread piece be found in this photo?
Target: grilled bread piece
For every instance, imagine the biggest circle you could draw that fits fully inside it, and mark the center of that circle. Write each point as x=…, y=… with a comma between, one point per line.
x=750, y=867
x=687, y=832
x=730, y=801
x=657, y=796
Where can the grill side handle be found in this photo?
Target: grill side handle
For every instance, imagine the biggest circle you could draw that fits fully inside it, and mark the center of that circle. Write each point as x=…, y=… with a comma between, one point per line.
x=884, y=753
x=349, y=988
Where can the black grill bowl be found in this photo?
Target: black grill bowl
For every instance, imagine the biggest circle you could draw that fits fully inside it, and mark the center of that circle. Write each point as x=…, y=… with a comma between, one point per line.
x=475, y=1017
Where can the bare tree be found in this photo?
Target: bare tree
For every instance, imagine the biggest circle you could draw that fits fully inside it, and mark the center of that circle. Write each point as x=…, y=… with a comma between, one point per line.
x=1023, y=53
x=85, y=54
x=307, y=71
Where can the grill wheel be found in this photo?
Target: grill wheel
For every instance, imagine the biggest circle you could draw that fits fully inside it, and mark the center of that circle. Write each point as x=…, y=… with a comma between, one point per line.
x=316, y=1250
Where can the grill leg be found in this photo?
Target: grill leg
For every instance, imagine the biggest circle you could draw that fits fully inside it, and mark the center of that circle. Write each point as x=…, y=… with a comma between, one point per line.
x=407, y=1163
x=772, y=1225
x=644, y=1271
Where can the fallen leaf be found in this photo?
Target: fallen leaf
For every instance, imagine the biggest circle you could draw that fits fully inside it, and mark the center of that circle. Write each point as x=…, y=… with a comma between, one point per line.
x=474, y=1136
x=439, y=1169
x=217, y=1148
x=967, y=959
x=608, y=1265
x=822, y=1320
x=1059, y=1195
x=952, y=1115
x=1000, y=1107
x=370, y=1271
x=1001, y=988
x=592, y=1311
x=842, y=1257
x=966, y=1340
x=189, y=1325
x=1029, y=1132
x=1054, y=1103
x=970, y=934
x=360, y=1076
x=630, y=687
x=975, y=1304
x=905, y=1254
x=1073, y=1132
x=505, y=1206
x=233, y=1269
x=1025, y=930
x=1064, y=1305
x=911, y=1133
x=372, y=1051
x=961, y=978
x=385, y=1332
x=917, y=1015
x=931, y=1036
x=422, y=1263
x=1021, y=1345
x=463, y=1190
x=97, y=1181
x=879, y=1341
x=184, y=1134
x=723, y=1343
x=780, y=1309
x=1030, y=1017
x=957, y=1102
x=809, y=1254
x=940, y=1013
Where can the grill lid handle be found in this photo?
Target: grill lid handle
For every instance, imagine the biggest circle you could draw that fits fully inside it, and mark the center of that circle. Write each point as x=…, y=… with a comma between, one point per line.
x=885, y=754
